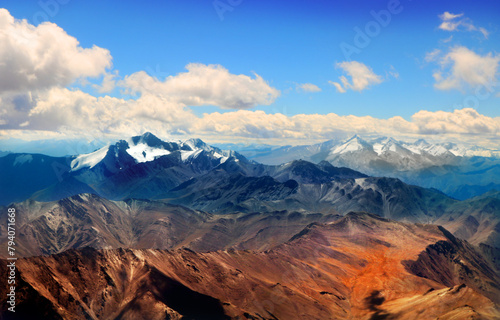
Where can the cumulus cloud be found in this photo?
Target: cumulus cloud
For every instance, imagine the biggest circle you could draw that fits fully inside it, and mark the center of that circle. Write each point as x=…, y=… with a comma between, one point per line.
x=36, y=63
x=308, y=87
x=62, y=109
x=361, y=76
x=108, y=82
x=306, y=127
x=457, y=22
x=206, y=85
x=462, y=68
x=261, y=127
x=73, y=111
x=464, y=121
x=33, y=58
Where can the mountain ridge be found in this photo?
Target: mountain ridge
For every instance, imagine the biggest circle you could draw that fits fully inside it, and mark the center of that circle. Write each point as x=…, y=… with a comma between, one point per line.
x=206, y=180
x=328, y=272
x=454, y=169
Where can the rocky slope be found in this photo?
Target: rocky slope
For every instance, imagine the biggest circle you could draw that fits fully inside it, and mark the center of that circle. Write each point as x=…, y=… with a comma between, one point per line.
x=359, y=267
x=89, y=220
x=259, y=221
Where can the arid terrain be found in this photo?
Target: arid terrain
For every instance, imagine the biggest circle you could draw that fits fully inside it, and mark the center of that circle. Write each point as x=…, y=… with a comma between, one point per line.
x=358, y=267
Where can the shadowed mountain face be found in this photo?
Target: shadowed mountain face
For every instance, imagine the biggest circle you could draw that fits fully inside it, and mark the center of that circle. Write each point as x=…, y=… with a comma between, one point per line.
x=143, y=167
x=221, y=192
x=24, y=174
x=88, y=220
x=359, y=267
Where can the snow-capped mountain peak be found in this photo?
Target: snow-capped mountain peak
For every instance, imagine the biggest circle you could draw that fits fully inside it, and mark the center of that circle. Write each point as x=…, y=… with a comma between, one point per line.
x=146, y=148
x=351, y=145
x=384, y=145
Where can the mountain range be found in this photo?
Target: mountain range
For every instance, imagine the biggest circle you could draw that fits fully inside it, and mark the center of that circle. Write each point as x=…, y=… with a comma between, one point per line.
x=459, y=171
x=208, y=179
x=157, y=224
x=358, y=267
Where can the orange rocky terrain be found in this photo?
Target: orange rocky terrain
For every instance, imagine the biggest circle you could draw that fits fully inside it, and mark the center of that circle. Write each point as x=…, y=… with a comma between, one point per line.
x=359, y=267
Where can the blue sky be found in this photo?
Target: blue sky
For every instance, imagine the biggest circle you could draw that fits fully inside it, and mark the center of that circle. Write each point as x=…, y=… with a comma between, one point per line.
x=288, y=44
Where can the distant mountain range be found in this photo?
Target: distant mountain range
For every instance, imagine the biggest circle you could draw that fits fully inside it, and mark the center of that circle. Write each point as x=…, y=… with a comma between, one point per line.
x=459, y=171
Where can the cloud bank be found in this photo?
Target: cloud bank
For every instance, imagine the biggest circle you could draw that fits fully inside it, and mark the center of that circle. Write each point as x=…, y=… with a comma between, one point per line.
x=73, y=112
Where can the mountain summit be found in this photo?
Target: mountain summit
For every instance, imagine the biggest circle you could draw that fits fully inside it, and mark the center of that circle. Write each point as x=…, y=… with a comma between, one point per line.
x=145, y=148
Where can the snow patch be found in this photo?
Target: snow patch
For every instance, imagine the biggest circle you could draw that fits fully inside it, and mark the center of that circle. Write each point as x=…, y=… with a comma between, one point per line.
x=223, y=158
x=350, y=146
x=413, y=149
x=24, y=158
x=360, y=181
x=141, y=152
x=190, y=144
x=377, y=147
x=185, y=155
x=89, y=160
x=436, y=150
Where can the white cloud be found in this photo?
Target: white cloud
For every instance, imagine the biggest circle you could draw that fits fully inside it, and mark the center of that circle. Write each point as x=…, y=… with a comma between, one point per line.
x=361, y=76
x=464, y=121
x=74, y=112
x=33, y=58
x=337, y=86
x=392, y=73
x=433, y=55
x=108, y=82
x=61, y=109
x=446, y=16
x=260, y=126
x=457, y=22
x=447, y=39
x=206, y=85
x=462, y=68
x=37, y=62
x=308, y=87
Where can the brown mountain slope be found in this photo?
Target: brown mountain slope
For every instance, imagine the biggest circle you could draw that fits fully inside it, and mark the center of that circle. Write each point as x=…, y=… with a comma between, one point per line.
x=89, y=220
x=360, y=267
